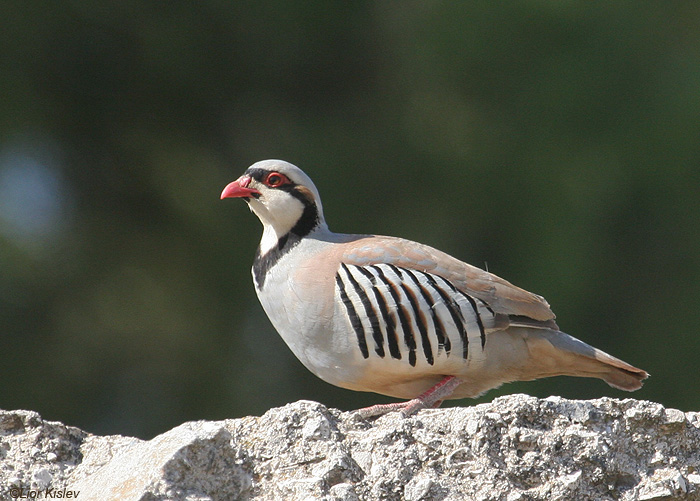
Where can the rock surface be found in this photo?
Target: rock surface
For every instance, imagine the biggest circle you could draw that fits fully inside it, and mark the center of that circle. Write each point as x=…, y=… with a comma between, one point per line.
x=515, y=448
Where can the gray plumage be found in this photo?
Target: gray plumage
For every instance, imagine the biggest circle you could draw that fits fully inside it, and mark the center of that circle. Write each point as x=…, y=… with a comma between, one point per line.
x=396, y=317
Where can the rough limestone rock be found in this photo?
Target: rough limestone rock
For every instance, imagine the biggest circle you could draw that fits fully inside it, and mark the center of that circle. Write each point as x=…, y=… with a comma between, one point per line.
x=515, y=448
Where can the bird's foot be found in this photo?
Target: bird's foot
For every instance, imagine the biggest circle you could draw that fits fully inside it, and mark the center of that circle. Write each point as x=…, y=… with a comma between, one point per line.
x=431, y=398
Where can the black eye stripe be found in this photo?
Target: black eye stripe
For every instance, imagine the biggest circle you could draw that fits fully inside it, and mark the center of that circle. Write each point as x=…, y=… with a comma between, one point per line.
x=257, y=174
x=260, y=175
x=297, y=191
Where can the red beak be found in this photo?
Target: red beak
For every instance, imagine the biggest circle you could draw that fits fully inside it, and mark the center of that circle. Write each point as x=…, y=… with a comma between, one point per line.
x=239, y=189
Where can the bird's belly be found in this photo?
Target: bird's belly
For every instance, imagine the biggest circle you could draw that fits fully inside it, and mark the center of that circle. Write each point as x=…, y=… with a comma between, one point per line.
x=363, y=357
x=328, y=347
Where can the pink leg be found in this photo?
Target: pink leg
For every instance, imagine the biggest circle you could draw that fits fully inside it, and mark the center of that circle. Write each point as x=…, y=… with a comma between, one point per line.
x=431, y=398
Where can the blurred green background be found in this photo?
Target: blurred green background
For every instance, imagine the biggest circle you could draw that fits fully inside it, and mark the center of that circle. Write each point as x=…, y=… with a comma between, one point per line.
x=557, y=143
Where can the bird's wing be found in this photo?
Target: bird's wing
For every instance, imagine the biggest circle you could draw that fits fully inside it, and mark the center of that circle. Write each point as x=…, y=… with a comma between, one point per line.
x=500, y=295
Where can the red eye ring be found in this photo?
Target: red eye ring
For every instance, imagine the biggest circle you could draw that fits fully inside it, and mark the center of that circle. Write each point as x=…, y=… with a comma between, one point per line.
x=276, y=179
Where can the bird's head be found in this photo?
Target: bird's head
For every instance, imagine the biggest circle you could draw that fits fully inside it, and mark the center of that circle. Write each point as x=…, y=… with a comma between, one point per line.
x=281, y=195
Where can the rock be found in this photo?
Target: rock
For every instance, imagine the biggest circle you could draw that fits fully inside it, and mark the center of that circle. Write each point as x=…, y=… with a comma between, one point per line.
x=515, y=448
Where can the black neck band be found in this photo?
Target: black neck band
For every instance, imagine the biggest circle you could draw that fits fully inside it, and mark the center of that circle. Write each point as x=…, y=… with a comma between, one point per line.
x=305, y=225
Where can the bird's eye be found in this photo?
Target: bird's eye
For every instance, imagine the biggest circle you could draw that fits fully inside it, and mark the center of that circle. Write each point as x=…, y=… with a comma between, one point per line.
x=275, y=179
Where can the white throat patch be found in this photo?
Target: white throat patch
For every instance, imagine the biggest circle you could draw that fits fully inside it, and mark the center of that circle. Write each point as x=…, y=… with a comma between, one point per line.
x=278, y=222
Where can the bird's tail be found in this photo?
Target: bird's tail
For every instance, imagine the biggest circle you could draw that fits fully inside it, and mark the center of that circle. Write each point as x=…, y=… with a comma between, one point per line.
x=557, y=353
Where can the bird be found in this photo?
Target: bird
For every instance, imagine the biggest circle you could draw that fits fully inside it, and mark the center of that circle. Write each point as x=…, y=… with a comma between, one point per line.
x=395, y=317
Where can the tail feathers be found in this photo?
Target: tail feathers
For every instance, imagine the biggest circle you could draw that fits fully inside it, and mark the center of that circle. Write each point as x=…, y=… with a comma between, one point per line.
x=576, y=358
x=620, y=374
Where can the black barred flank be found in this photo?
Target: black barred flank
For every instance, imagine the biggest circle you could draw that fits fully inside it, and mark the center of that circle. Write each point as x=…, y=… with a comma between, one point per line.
x=442, y=338
x=369, y=313
x=472, y=302
x=454, y=310
x=408, y=335
x=409, y=308
x=389, y=322
x=479, y=322
x=418, y=315
x=354, y=319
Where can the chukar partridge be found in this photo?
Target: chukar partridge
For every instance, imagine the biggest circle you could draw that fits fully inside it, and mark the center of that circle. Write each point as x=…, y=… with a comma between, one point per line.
x=395, y=317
